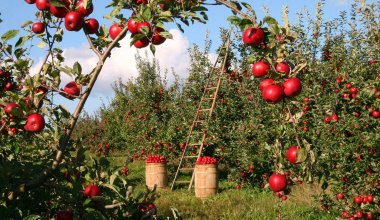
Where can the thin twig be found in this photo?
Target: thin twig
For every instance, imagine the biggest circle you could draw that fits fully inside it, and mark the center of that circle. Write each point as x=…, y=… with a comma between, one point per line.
x=237, y=11
x=93, y=48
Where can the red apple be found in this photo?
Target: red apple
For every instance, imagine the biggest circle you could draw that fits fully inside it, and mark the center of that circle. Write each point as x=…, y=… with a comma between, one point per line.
x=91, y=25
x=12, y=109
x=114, y=31
x=272, y=93
x=34, y=123
x=277, y=182
x=253, y=36
x=376, y=114
x=30, y=1
x=85, y=10
x=38, y=27
x=266, y=82
x=292, y=86
x=143, y=42
x=91, y=191
x=291, y=154
x=144, y=25
x=43, y=5
x=283, y=68
x=340, y=196
x=327, y=119
x=260, y=68
x=4, y=74
x=157, y=39
x=132, y=26
x=60, y=12
x=73, y=21
x=72, y=89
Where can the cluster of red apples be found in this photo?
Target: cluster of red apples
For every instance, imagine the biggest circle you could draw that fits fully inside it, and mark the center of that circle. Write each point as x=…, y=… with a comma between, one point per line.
x=156, y=159
x=272, y=92
x=206, y=160
x=75, y=18
x=14, y=112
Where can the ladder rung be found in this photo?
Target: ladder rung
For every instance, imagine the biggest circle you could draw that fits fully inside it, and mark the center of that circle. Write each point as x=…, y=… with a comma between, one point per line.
x=186, y=169
x=196, y=144
x=190, y=156
x=205, y=109
x=209, y=88
x=199, y=121
x=182, y=182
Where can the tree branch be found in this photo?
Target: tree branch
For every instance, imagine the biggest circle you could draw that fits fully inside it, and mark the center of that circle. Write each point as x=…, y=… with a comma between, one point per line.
x=237, y=11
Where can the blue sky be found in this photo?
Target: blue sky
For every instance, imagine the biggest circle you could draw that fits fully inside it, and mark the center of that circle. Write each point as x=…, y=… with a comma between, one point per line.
x=170, y=55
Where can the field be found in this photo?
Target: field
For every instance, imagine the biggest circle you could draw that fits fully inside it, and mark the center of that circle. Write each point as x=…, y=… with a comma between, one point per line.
x=230, y=203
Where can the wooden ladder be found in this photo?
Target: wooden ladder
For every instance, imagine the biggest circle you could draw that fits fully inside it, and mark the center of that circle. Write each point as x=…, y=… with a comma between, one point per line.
x=197, y=134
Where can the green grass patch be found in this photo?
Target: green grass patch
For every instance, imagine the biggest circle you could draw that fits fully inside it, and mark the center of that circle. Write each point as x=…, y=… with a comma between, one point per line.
x=230, y=203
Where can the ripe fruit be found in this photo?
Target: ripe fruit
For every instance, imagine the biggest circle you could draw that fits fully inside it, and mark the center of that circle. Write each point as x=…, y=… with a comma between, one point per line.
x=91, y=191
x=60, y=12
x=143, y=42
x=266, y=82
x=72, y=89
x=43, y=5
x=272, y=93
x=292, y=86
x=157, y=39
x=144, y=26
x=376, y=114
x=327, y=119
x=284, y=197
x=12, y=109
x=291, y=154
x=38, y=27
x=277, y=182
x=253, y=36
x=114, y=31
x=283, y=68
x=91, y=25
x=156, y=159
x=345, y=214
x=65, y=215
x=260, y=68
x=132, y=26
x=340, y=196
x=334, y=117
x=73, y=21
x=370, y=198
x=34, y=123
x=358, y=200
x=30, y=1
x=206, y=160
x=85, y=10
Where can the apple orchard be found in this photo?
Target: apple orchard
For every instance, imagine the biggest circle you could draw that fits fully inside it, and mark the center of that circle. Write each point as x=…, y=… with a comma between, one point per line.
x=298, y=104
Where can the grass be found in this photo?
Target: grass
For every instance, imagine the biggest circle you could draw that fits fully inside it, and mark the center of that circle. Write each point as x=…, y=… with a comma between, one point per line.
x=230, y=203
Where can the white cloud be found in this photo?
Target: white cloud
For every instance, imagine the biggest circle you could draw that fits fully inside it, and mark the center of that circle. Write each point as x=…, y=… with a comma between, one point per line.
x=172, y=54
x=122, y=63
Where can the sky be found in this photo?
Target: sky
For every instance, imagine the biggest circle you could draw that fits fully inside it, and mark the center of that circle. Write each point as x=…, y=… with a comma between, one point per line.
x=171, y=54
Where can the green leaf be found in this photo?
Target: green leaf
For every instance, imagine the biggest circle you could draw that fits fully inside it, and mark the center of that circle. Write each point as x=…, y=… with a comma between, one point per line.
x=153, y=49
x=9, y=35
x=21, y=41
x=26, y=23
x=65, y=112
x=32, y=217
x=57, y=3
x=269, y=20
x=77, y=68
x=301, y=155
x=235, y=20
x=147, y=14
x=112, y=178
